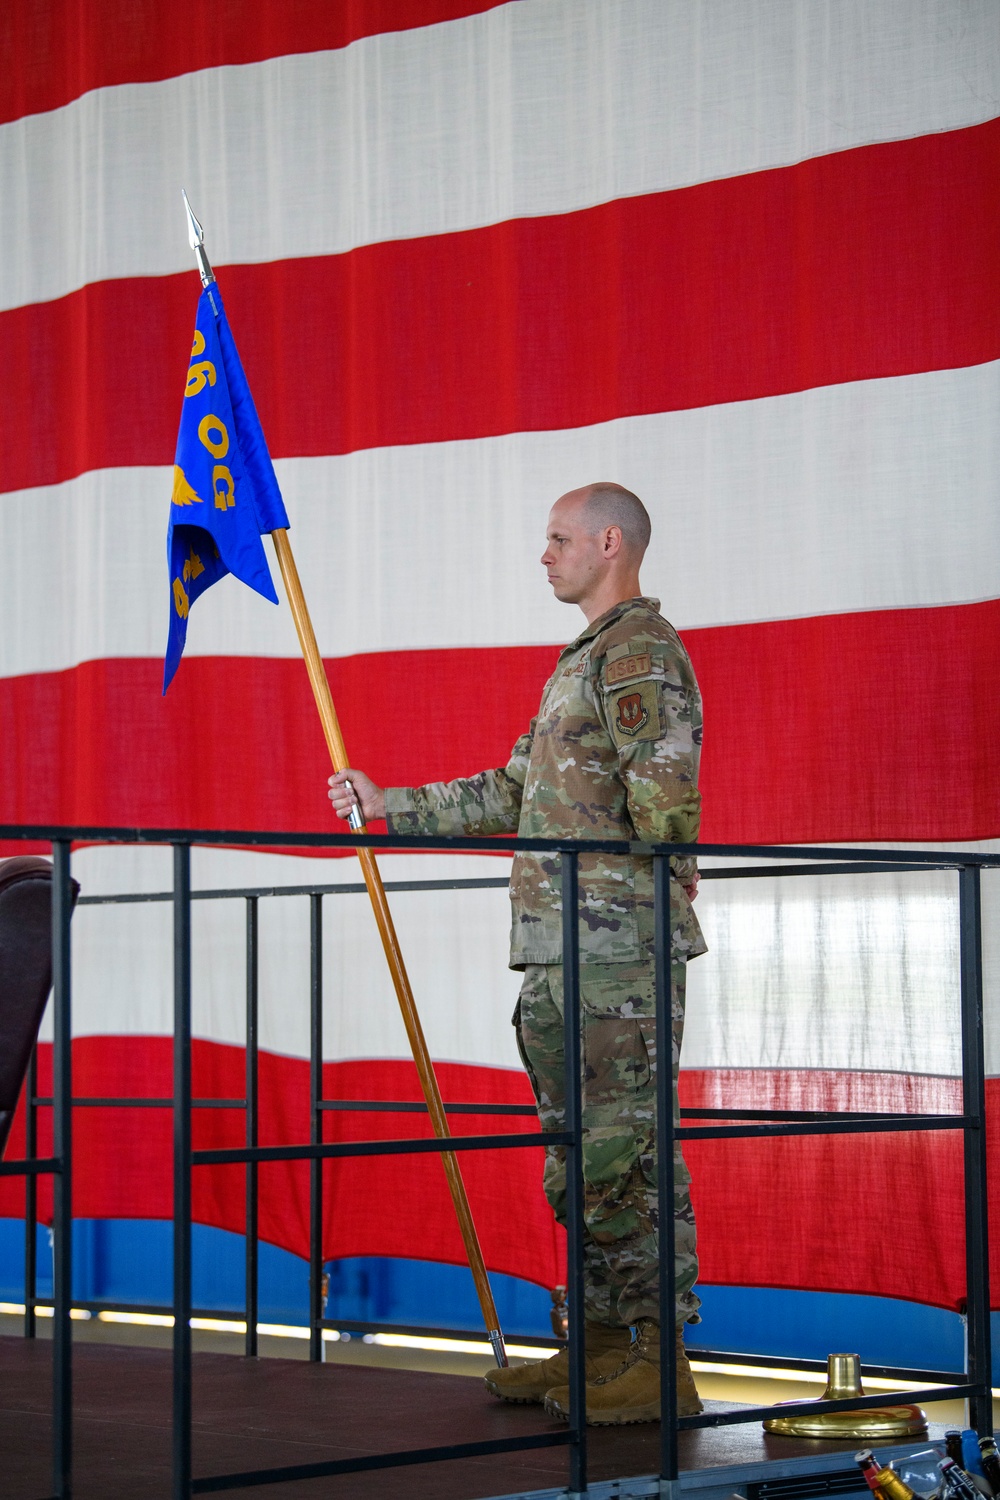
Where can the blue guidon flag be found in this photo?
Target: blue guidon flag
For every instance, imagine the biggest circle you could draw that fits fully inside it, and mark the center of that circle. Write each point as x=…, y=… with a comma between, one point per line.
x=225, y=491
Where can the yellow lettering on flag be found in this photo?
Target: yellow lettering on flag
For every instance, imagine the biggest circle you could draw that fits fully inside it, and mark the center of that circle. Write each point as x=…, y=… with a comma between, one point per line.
x=197, y=375
x=193, y=566
x=214, y=435
x=181, y=602
x=183, y=493
x=224, y=487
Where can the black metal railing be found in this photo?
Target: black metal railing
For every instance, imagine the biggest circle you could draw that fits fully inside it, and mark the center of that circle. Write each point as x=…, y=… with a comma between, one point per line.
x=973, y=1384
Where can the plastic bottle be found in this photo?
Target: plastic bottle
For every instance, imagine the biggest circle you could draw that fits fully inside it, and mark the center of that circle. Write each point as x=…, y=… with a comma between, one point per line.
x=972, y=1459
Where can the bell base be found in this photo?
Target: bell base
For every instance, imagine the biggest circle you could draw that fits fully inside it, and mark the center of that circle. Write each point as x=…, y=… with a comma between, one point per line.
x=877, y=1423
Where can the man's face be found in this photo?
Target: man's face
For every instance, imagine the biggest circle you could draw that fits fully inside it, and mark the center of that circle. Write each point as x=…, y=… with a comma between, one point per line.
x=573, y=559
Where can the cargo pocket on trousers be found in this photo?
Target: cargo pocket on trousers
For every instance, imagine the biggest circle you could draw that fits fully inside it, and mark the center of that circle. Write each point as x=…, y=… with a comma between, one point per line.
x=521, y=1050
x=619, y=1111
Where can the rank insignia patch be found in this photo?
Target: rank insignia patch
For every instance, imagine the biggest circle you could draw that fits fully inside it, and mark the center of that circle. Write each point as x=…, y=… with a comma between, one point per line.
x=637, y=714
x=636, y=665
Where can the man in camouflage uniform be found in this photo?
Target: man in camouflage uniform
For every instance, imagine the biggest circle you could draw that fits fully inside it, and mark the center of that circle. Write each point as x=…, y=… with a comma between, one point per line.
x=612, y=754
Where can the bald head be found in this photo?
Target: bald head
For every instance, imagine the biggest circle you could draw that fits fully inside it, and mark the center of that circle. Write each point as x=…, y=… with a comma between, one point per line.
x=595, y=542
x=607, y=504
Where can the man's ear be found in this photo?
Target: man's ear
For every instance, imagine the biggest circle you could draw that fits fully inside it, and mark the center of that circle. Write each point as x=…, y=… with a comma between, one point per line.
x=612, y=541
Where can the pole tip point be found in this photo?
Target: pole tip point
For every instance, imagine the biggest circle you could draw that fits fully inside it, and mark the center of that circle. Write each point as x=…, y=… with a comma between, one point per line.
x=196, y=235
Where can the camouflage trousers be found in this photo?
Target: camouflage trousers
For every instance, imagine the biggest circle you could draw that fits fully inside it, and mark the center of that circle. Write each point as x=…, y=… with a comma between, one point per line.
x=621, y=1210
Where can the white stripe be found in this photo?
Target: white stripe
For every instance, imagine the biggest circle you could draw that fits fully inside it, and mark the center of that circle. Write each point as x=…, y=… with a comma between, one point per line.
x=828, y=972
x=876, y=495
x=840, y=972
x=837, y=972
x=539, y=107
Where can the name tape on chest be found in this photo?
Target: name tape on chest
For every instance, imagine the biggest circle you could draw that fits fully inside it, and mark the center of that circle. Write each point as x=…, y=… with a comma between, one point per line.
x=639, y=664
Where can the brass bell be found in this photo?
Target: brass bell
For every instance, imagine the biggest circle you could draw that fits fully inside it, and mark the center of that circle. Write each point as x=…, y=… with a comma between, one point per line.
x=843, y=1380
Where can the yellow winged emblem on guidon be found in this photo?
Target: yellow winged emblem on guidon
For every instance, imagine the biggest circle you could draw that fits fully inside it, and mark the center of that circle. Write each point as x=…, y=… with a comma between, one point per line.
x=183, y=493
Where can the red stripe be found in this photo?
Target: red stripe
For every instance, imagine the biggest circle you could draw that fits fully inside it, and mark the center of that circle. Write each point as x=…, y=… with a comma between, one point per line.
x=799, y=1202
x=908, y=744
x=860, y=727
x=372, y=1206
x=787, y=1237
x=877, y=262
x=56, y=50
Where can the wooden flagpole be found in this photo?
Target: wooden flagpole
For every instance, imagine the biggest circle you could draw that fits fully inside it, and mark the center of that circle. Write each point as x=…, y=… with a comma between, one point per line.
x=390, y=942
x=376, y=890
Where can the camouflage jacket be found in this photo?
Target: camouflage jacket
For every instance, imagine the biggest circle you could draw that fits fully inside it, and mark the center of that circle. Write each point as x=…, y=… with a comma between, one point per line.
x=612, y=753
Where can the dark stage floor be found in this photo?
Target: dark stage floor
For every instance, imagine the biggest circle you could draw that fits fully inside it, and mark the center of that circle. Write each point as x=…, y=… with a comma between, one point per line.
x=267, y=1413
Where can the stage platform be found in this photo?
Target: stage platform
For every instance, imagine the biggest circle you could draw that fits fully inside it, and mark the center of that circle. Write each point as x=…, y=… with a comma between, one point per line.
x=268, y=1413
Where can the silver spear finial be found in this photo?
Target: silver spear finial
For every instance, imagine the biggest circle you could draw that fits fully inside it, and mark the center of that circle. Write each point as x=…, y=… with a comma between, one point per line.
x=196, y=239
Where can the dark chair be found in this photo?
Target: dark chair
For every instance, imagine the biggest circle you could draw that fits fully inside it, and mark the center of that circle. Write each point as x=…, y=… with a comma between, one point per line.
x=25, y=970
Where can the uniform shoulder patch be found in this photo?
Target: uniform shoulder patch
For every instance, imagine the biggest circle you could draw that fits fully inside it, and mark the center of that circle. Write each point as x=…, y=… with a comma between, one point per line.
x=635, y=664
x=635, y=714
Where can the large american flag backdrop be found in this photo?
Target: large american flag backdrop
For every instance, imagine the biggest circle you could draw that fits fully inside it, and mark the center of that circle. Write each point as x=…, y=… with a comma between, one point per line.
x=743, y=257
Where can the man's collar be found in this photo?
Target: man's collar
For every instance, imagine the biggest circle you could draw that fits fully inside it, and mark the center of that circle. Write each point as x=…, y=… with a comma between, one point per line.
x=596, y=626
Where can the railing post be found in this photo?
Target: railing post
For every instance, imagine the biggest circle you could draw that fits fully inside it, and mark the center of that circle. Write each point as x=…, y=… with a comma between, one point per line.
x=182, y=1174
x=62, y=1187
x=977, y=1245
x=315, y=1126
x=31, y=1197
x=574, y=1171
x=251, y=1097
x=662, y=918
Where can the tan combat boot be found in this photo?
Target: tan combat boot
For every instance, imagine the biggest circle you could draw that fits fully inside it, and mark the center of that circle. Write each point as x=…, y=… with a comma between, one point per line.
x=607, y=1349
x=632, y=1393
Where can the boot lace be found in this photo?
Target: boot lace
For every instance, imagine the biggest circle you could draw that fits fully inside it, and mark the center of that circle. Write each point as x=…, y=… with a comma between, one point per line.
x=632, y=1354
